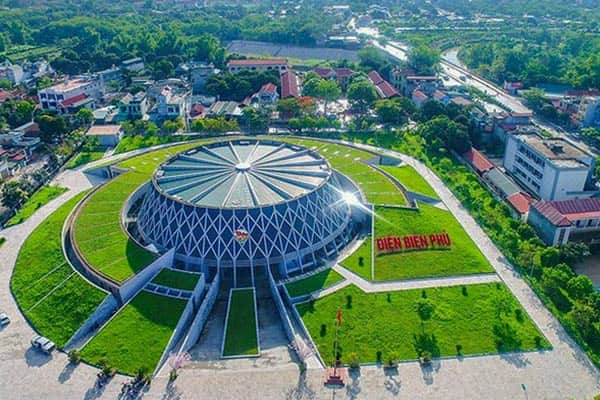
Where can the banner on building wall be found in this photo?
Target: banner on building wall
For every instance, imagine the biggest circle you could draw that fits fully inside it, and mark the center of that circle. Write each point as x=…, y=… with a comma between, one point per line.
x=400, y=244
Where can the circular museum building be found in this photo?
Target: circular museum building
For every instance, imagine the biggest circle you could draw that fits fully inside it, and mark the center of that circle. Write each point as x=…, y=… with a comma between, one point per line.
x=247, y=203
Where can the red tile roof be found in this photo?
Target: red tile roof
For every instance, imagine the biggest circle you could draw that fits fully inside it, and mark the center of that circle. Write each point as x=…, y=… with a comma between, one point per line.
x=478, y=160
x=375, y=77
x=384, y=89
x=419, y=95
x=520, y=202
x=343, y=71
x=261, y=62
x=4, y=95
x=329, y=72
x=564, y=212
x=197, y=109
x=289, y=85
x=268, y=88
x=72, y=100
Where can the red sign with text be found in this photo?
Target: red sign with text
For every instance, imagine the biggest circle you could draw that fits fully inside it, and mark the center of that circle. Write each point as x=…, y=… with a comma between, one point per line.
x=397, y=244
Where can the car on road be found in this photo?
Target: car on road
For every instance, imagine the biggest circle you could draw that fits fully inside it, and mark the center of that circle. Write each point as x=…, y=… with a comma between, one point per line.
x=43, y=344
x=4, y=320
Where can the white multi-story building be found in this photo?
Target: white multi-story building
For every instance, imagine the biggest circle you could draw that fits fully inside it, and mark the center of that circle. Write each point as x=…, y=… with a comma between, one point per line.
x=71, y=94
x=589, y=109
x=549, y=168
x=170, y=105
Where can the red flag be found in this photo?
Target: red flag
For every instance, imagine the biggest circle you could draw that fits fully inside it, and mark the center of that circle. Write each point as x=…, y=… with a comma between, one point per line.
x=339, y=317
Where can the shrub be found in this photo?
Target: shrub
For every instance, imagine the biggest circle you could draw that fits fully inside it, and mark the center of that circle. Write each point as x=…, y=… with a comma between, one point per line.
x=464, y=291
x=519, y=315
x=425, y=309
x=74, y=356
x=172, y=375
x=392, y=360
x=323, y=330
x=459, y=349
x=353, y=360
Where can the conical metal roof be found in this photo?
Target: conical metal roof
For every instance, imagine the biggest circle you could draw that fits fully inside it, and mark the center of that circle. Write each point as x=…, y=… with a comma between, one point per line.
x=242, y=174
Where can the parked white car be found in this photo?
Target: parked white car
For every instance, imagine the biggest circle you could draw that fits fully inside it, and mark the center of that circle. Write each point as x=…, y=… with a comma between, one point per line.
x=4, y=320
x=43, y=344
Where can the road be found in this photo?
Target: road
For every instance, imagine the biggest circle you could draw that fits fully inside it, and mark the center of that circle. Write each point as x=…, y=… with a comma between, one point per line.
x=458, y=73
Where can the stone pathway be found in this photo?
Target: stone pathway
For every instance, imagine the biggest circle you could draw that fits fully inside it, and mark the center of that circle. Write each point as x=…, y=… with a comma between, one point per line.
x=408, y=284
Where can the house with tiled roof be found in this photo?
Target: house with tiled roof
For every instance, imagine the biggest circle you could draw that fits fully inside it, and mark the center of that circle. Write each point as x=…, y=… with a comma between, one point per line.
x=384, y=89
x=559, y=222
x=261, y=64
x=267, y=95
x=478, y=161
x=290, y=85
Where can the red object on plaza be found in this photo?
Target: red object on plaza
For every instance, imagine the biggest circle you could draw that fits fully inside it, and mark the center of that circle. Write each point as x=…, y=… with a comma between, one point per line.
x=339, y=317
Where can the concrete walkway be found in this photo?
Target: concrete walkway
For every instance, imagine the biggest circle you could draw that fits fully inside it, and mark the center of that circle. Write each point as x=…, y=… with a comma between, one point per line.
x=408, y=284
x=565, y=372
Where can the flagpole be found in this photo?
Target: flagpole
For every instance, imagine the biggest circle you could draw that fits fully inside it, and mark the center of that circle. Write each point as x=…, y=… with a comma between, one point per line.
x=335, y=350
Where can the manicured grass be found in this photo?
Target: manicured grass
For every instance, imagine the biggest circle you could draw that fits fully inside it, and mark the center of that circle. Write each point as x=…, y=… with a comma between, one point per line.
x=354, y=264
x=483, y=318
x=99, y=235
x=137, y=336
x=462, y=258
x=85, y=157
x=54, y=298
x=351, y=162
x=315, y=282
x=176, y=279
x=40, y=198
x=240, y=338
x=411, y=179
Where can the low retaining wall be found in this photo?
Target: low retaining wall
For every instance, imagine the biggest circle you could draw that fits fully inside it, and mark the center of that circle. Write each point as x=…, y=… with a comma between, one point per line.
x=285, y=319
x=137, y=282
x=103, y=312
x=201, y=316
x=184, y=322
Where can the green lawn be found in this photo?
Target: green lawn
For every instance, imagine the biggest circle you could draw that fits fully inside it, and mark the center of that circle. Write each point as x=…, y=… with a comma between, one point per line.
x=85, y=157
x=38, y=200
x=98, y=231
x=463, y=258
x=482, y=318
x=138, y=335
x=411, y=179
x=53, y=297
x=240, y=339
x=99, y=235
x=354, y=264
x=351, y=162
x=176, y=279
x=315, y=282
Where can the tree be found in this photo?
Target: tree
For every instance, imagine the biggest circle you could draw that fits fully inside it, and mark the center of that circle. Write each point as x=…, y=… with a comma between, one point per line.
x=85, y=116
x=425, y=309
x=361, y=94
x=451, y=135
x=535, y=97
x=388, y=111
x=423, y=59
x=51, y=127
x=373, y=58
x=584, y=318
x=549, y=257
x=13, y=194
x=171, y=127
x=327, y=90
x=580, y=286
x=289, y=107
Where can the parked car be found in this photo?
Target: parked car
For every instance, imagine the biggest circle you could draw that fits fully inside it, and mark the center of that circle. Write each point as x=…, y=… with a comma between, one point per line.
x=43, y=344
x=4, y=320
